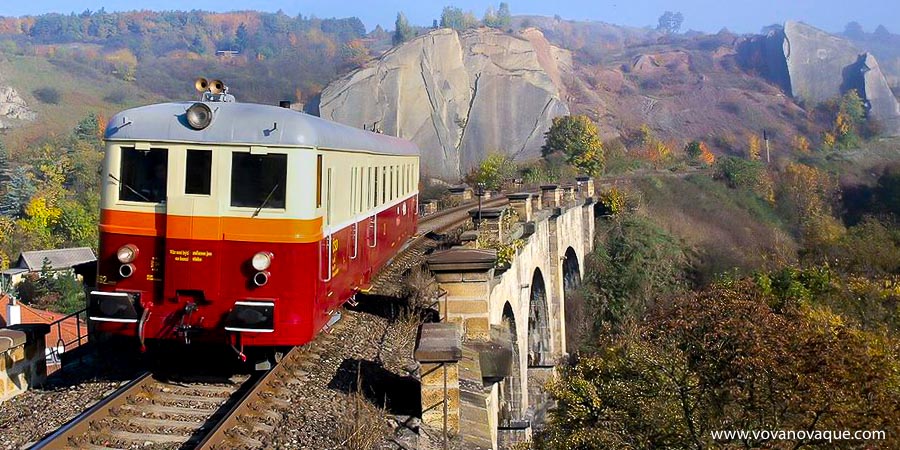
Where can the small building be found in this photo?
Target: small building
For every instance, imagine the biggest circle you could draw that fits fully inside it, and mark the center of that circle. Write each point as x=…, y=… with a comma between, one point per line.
x=79, y=262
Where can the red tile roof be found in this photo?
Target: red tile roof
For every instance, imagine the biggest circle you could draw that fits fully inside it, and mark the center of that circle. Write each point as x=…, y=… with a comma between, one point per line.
x=67, y=330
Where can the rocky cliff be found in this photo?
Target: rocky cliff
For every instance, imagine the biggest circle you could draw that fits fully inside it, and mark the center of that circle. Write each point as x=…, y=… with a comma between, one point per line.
x=815, y=66
x=458, y=95
x=12, y=106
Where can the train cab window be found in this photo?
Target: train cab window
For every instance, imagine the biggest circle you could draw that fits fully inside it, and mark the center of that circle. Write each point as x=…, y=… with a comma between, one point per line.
x=198, y=172
x=258, y=181
x=143, y=175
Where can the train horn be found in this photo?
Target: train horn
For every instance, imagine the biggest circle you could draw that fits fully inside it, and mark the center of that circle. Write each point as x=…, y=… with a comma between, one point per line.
x=216, y=87
x=201, y=85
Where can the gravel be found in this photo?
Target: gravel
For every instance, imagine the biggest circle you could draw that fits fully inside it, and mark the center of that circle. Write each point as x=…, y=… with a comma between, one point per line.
x=367, y=354
x=29, y=416
x=368, y=348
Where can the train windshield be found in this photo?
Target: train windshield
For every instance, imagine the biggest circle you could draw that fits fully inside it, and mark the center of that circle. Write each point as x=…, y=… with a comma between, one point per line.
x=142, y=176
x=258, y=181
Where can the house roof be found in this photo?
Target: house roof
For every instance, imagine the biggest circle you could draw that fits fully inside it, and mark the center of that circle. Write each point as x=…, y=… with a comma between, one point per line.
x=67, y=331
x=61, y=258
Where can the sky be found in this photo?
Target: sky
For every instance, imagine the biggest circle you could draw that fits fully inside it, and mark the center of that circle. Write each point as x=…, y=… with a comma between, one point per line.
x=743, y=16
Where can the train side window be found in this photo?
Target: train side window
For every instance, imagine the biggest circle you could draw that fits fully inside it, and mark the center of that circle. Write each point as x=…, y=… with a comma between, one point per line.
x=378, y=181
x=353, y=190
x=360, y=188
x=198, y=172
x=370, y=194
x=143, y=175
x=384, y=185
x=258, y=181
x=319, y=181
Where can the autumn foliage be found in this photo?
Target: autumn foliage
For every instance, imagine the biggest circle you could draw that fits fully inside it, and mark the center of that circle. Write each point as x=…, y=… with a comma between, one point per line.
x=578, y=139
x=724, y=359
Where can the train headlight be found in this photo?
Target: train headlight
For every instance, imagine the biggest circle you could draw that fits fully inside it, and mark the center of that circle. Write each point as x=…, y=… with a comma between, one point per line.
x=262, y=260
x=199, y=116
x=127, y=253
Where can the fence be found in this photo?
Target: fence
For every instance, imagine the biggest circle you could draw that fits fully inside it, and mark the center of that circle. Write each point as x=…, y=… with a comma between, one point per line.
x=66, y=334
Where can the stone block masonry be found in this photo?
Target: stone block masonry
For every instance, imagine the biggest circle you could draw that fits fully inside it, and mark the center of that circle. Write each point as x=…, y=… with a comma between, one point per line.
x=23, y=363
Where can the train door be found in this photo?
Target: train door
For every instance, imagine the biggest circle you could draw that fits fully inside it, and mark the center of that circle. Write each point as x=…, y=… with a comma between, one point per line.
x=193, y=241
x=327, y=249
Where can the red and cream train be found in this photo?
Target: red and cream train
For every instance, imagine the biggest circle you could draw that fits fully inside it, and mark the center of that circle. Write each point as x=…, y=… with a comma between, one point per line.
x=241, y=223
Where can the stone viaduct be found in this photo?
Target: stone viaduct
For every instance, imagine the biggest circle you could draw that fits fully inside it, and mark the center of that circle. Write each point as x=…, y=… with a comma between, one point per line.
x=504, y=321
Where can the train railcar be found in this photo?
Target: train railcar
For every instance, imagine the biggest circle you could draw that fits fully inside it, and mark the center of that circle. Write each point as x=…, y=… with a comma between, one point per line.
x=242, y=223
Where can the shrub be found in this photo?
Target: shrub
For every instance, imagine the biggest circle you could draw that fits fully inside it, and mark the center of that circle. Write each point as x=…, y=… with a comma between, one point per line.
x=47, y=95
x=739, y=173
x=118, y=96
x=614, y=201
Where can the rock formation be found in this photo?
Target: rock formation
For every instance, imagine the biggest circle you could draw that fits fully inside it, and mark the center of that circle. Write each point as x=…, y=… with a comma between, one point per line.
x=814, y=66
x=12, y=106
x=458, y=95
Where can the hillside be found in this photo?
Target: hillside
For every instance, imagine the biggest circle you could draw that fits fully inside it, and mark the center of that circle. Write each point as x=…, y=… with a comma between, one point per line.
x=484, y=89
x=59, y=96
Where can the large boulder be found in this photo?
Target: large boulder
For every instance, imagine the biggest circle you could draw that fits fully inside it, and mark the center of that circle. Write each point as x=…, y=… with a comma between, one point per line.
x=458, y=95
x=815, y=66
x=12, y=106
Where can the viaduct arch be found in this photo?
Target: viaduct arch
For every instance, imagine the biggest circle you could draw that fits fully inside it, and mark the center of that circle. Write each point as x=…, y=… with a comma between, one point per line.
x=511, y=320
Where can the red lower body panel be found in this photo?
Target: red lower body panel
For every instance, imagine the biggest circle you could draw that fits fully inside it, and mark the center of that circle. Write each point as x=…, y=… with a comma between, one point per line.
x=187, y=288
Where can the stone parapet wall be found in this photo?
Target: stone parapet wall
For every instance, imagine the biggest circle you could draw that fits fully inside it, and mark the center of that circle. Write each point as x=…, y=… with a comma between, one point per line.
x=23, y=363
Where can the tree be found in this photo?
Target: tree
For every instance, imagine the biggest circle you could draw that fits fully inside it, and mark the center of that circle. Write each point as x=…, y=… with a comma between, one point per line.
x=881, y=32
x=453, y=17
x=724, y=358
x=854, y=30
x=88, y=129
x=850, y=117
x=504, y=17
x=670, y=22
x=403, y=31
x=4, y=166
x=579, y=140
x=699, y=151
x=493, y=171
x=18, y=192
x=490, y=18
x=241, y=38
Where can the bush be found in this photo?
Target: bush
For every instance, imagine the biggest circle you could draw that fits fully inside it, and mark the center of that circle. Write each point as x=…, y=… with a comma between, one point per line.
x=47, y=95
x=636, y=263
x=118, y=97
x=739, y=173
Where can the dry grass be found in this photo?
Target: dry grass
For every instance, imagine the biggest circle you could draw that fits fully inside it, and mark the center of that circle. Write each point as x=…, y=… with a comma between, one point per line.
x=362, y=426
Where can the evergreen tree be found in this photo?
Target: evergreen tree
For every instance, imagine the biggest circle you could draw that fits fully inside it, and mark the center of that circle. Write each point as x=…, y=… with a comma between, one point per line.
x=403, y=31
x=504, y=18
x=18, y=192
x=241, y=38
x=4, y=167
x=490, y=18
x=88, y=129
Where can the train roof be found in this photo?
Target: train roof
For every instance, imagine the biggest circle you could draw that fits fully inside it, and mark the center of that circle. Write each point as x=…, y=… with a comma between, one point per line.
x=249, y=124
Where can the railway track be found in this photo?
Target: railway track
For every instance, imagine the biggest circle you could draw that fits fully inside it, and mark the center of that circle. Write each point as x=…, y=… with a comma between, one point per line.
x=152, y=411
x=191, y=412
x=387, y=281
x=181, y=413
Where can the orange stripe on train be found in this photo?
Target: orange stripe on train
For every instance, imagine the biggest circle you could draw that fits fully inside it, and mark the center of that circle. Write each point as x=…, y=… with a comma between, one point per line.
x=243, y=229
